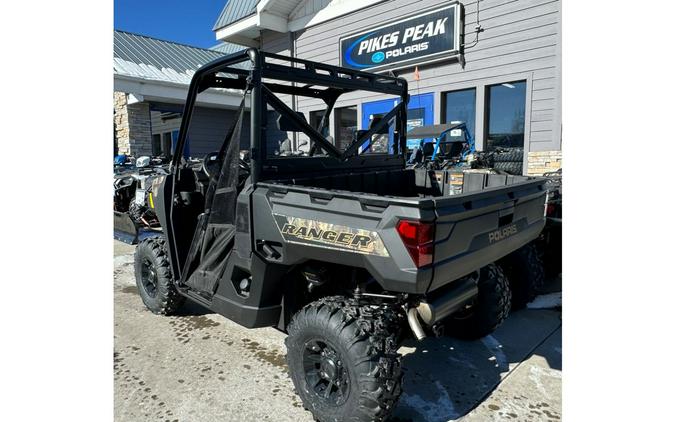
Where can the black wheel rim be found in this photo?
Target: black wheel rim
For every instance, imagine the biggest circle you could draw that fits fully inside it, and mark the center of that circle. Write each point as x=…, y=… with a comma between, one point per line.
x=325, y=372
x=149, y=278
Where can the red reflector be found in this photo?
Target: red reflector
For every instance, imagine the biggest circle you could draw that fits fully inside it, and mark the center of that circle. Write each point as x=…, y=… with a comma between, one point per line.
x=550, y=209
x=418, y=238
x=426, y=254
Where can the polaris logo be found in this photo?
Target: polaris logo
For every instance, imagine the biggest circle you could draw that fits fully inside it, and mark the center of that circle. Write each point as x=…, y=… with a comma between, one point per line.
x=502, y=234
x=433, y=33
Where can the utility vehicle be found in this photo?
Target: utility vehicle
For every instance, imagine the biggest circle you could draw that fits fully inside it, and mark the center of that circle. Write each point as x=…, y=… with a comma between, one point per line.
x=346, y=250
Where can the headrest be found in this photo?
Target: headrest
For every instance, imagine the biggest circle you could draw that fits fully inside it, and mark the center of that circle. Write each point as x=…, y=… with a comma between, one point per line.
x=428, y=148
x=285, y=124
x=376, y=120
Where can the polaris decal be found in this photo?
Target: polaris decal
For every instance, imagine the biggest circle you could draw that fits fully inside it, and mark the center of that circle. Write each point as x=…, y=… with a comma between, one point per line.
x=502, y=233
x=431, y=35
x=332, y=236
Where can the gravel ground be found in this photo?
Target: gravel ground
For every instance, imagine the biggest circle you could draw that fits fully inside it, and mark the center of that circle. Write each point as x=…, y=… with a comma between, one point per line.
x=199, y=366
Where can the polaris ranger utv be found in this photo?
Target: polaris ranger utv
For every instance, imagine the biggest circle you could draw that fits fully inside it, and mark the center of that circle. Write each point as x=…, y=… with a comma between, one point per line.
x=344, y=249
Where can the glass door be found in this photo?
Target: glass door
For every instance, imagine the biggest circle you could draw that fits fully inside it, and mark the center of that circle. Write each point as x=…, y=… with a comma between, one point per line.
x=381, y=143
x=420, y=113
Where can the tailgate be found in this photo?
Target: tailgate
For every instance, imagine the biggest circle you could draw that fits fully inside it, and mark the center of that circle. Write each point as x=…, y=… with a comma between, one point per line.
x=475, y=229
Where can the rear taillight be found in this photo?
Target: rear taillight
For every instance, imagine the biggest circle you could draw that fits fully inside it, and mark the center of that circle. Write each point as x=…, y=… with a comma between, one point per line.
x=418, y=238
x=550, y=209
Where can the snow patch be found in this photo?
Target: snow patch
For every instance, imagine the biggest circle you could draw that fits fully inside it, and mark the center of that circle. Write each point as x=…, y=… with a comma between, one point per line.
x=120, y=260
x=496, y=347
x=551, y=300
x=442, y=409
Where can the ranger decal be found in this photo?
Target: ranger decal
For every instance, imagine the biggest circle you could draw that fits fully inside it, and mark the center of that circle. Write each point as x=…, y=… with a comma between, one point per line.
x=333, y=236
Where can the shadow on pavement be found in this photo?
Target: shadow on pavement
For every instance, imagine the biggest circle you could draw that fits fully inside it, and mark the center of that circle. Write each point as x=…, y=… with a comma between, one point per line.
x=446, y=378
x=191, y=308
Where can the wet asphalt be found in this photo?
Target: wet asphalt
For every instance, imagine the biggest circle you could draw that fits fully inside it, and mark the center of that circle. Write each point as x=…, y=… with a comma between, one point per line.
x=199, y=366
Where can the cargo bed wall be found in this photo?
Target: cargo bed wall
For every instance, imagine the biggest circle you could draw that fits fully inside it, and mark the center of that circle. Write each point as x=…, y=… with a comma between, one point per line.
x=407, y=183
x=437, y=183
x=398, y=182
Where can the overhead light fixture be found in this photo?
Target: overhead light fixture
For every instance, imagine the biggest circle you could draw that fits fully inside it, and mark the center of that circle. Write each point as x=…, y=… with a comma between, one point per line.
x=508, y=86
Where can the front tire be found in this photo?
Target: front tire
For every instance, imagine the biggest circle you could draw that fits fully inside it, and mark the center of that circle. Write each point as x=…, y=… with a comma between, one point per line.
x=154, y=278
x=488, y=310
x=342, y=359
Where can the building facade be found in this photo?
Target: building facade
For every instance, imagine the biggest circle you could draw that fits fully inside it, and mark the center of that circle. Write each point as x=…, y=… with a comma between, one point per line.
x=494, y=64
x=151, y=79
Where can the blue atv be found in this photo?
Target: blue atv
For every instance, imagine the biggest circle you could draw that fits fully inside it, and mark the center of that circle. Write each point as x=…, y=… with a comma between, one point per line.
x=451, y=147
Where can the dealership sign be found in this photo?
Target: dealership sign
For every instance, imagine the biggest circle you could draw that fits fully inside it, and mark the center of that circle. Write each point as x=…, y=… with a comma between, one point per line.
x=431, y=36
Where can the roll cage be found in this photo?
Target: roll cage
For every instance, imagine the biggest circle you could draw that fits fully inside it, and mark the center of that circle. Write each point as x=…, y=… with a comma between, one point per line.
x=263, y=75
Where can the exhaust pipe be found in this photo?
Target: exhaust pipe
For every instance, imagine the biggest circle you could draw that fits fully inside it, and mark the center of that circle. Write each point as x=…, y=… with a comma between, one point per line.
x=415, y=325
x=452, y=300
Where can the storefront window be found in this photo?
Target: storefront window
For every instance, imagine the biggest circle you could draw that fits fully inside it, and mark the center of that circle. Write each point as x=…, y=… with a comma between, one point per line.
x=415, y=119
x=506, y=115
x=460, y=106
x=345, y=121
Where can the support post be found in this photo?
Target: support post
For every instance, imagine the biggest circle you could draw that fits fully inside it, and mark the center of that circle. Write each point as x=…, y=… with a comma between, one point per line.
x=257, y=108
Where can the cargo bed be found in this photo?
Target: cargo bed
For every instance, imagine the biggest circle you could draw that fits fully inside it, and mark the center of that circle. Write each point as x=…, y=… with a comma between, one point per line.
x=489, y=217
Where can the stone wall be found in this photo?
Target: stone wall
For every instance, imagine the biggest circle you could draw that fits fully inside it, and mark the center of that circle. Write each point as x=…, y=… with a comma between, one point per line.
x=541, y=162
x=133, y=130
x=121, y=122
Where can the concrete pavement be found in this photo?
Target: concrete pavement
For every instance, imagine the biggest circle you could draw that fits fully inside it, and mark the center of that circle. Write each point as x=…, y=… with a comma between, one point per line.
x=199, y=366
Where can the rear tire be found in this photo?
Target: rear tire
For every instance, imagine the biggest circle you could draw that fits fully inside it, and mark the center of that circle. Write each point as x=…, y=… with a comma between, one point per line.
x=488, y=310
x=511, y=167
x=342, y=359
x=525, y=272
x=509, y=155
x=154, y=278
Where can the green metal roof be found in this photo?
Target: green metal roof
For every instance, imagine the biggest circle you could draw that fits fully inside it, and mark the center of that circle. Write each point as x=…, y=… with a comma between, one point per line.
x=235, y=10
x=226, y=48
x=149, y=58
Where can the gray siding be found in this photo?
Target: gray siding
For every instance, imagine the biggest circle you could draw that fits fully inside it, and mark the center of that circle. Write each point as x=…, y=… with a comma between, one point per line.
x=207, y=129
x=521, y=41
x=161, y=126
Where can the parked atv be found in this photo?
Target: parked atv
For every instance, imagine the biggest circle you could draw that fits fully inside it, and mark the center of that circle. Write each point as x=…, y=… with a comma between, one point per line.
x=345, y=251
x=133, y=206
